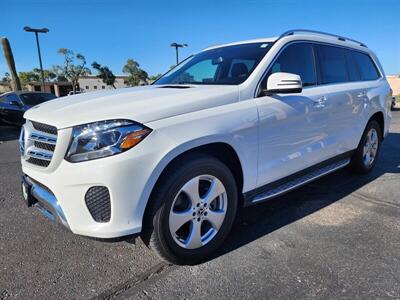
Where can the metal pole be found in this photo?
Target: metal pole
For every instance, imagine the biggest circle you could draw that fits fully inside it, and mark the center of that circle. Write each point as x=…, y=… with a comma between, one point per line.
x=40, y=61
x=177, y=55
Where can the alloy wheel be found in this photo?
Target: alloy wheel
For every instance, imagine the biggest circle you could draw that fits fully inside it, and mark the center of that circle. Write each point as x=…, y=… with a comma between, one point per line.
x=198, y=211
x=370, y=147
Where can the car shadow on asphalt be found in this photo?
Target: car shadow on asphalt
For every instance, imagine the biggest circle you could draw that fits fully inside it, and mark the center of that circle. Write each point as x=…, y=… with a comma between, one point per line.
x=9, y=133
x=262, y=219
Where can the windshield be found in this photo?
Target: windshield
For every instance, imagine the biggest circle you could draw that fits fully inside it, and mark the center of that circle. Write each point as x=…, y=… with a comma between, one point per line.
x=36, y=98
x=228, y=65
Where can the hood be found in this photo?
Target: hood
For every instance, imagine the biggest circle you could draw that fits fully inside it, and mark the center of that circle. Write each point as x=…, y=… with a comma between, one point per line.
x=140, y=104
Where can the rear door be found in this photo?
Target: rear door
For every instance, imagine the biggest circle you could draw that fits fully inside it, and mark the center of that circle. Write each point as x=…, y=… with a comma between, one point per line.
x=370, y=88
x=345, y=94
x=293, y=133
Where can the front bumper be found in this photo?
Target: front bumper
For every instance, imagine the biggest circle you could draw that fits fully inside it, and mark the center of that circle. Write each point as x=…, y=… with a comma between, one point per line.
x=44, y=200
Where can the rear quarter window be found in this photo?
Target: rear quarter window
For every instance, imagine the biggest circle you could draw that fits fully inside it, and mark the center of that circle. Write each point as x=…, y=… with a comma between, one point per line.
x=366, y=66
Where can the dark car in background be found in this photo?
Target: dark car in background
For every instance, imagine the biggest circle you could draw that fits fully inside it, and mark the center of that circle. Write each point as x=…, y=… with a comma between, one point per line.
x=13, y=105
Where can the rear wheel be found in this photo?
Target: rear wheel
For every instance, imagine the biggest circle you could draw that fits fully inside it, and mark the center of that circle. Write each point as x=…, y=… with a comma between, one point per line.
x=193, y=210
x=367, y=152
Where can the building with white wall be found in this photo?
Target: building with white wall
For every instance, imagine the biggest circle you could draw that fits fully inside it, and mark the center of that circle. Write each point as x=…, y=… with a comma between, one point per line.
x=92, y=83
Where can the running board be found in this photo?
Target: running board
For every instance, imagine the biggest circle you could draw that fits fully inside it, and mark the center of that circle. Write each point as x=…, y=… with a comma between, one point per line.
x=280, y=187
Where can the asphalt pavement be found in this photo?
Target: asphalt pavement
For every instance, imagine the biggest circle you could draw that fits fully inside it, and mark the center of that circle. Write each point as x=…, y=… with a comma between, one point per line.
x=338, y=237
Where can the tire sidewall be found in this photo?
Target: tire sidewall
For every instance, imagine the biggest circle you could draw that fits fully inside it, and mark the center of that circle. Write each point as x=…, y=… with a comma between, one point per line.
x=359, y=162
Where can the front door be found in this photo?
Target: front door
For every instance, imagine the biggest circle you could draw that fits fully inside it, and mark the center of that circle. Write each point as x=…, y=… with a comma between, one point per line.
x=293, y=133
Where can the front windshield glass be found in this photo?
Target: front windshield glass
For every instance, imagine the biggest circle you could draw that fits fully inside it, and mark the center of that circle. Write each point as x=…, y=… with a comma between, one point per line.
x=228, y=65
x=36, y=98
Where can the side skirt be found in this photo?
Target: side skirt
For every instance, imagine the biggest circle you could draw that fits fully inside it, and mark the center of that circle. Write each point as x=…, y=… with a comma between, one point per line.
x=286, y=184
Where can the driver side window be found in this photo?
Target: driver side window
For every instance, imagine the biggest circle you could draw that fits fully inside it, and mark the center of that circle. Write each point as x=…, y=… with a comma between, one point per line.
x=297, y=59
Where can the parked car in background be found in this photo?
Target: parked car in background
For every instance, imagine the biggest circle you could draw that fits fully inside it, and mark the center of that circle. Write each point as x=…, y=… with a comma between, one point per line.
x=13, y=105
x=236, y=124
x=72, y=93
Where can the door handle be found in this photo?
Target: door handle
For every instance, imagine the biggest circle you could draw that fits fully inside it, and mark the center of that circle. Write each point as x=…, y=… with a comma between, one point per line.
x=320, y=102
x=361, y=94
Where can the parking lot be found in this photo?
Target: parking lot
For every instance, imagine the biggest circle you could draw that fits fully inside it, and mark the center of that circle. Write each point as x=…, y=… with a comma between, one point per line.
x=338, y=237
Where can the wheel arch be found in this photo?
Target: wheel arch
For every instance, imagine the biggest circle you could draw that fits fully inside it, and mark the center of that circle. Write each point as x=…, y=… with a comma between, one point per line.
x=223, y=151
x=379, y=117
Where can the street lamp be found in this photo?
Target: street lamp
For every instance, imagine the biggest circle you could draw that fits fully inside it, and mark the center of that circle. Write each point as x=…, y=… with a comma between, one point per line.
x=176, y=46
x=36, y=31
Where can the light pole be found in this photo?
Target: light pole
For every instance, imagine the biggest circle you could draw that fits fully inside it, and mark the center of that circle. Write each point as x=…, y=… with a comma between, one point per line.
x=36, y=31
x=176, y=46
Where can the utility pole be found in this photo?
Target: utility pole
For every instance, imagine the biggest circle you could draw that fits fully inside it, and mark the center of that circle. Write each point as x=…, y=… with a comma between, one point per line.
x=37, y=31
x=176, y=46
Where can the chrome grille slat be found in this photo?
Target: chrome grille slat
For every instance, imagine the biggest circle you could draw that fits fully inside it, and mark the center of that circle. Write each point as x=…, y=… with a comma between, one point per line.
x=40, y=154
x=43, y=138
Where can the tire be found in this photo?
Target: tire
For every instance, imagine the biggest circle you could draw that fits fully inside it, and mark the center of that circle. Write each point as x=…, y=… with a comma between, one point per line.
x=360, y=163
x=183, y=204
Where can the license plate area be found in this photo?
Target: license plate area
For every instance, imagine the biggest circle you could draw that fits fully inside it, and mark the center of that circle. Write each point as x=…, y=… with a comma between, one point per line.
x=26, y=192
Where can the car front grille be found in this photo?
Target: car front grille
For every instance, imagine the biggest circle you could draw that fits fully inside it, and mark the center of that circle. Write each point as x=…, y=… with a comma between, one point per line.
x=39, y=143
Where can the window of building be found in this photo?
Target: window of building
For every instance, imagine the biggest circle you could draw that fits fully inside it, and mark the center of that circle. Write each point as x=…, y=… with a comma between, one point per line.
x=297, y=59
x=367, y=68
x=103, y=87
x=87, y=87
x=95, y=87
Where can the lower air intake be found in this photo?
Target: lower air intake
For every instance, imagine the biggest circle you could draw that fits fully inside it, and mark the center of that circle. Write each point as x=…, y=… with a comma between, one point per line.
x=97, y=200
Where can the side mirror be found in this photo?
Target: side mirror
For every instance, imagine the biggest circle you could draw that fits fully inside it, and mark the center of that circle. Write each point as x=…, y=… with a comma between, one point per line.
x=284, y=83
x=15, y=103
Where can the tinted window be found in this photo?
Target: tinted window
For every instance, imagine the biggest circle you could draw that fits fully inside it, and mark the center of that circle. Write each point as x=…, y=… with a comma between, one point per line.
x=36, y=98
x=204, y=71
x=352, y=69
x=332, y=62
x=367, y=68
x=226, y=65
x=12, y=97
x=297, y=59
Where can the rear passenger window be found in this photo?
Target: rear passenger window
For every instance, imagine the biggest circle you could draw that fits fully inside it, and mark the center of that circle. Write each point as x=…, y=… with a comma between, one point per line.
x=297, y=59
x=367, y=68
x=332, y=62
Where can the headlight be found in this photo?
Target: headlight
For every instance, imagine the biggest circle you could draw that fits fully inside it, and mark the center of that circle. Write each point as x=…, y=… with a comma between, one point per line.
x=105, y=138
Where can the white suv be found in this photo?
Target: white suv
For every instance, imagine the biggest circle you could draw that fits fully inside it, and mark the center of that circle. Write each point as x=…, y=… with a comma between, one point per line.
x=235, y=124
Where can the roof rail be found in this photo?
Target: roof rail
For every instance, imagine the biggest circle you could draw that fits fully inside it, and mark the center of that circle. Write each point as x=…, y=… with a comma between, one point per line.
x=340, y=38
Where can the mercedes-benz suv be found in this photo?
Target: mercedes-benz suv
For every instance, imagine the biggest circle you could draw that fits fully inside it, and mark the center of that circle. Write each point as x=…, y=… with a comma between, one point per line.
x=235, y=124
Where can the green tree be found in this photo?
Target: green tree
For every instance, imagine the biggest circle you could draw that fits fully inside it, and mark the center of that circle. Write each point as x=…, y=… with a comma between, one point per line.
x=49, y=75
x=72, y=70
x=27, y=77
x=35, y=75
x=6, y=78
x=155, y=77
x=136, y=75
x=105, y=74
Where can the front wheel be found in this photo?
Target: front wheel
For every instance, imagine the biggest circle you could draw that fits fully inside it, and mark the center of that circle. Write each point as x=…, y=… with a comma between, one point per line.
x=194, y=209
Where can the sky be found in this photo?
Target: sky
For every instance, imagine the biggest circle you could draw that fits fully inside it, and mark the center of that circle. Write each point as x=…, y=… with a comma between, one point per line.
x=112, y=31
